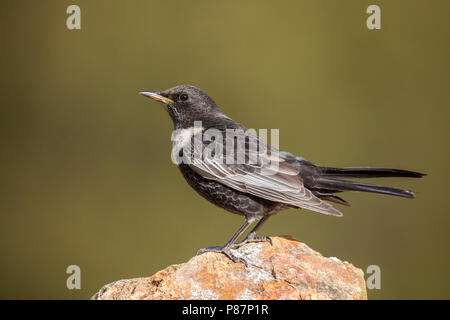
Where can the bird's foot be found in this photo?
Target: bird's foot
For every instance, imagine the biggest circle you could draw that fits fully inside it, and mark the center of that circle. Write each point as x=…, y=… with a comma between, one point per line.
x=253, y=238
x=226, y=251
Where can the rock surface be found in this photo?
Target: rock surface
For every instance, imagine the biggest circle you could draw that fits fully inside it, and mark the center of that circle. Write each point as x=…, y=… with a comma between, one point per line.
x=287, y=270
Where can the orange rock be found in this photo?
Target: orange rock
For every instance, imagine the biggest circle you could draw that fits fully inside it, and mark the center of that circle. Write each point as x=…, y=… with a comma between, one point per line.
x=287, y=270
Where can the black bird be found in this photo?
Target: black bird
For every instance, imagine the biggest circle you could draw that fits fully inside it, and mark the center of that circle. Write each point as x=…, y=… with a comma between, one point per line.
x=275, y=181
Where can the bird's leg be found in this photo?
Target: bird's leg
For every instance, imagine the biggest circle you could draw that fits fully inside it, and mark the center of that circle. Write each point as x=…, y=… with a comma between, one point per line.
x=226, y=248
x=251, y=237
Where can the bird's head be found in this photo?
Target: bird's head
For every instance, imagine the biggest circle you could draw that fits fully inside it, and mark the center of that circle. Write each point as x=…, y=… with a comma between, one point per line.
x=185, y=104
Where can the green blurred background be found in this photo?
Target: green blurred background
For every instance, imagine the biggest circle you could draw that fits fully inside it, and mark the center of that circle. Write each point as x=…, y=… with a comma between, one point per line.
x=86, y=176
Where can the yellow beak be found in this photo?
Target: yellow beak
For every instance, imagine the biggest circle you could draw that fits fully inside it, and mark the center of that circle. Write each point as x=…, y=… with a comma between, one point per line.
x=155, y=95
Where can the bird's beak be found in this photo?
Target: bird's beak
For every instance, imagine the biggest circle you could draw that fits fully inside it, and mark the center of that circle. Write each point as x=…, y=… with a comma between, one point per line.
x=155, y=95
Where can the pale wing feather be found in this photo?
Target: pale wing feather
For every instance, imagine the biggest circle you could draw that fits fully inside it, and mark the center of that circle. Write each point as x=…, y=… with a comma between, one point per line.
x=279, y=184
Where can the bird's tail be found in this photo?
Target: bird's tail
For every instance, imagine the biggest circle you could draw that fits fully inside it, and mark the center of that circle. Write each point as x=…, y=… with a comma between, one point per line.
x=331, y=179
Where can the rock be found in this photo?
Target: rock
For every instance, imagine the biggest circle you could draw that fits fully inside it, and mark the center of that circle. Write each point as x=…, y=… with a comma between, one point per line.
x=287, y=270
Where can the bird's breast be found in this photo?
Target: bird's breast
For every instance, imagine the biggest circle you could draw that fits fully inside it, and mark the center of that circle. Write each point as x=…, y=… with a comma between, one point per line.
x=182, y=140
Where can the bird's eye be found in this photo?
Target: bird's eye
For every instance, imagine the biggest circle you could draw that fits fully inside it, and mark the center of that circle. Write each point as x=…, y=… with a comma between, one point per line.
x=184, y=97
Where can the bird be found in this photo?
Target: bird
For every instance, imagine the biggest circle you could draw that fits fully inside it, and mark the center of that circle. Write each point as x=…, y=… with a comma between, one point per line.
x=273, y=181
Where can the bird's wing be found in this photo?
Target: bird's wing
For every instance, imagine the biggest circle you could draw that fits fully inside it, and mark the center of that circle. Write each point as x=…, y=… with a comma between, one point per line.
x=269, y=177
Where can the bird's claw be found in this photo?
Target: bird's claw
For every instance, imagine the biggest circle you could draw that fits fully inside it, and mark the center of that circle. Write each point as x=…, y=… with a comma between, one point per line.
x=253, y=239
x=225, y=251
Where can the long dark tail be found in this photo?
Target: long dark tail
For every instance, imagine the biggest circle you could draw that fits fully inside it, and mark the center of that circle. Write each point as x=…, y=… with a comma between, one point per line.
x=330, y=180
x=368, y=172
